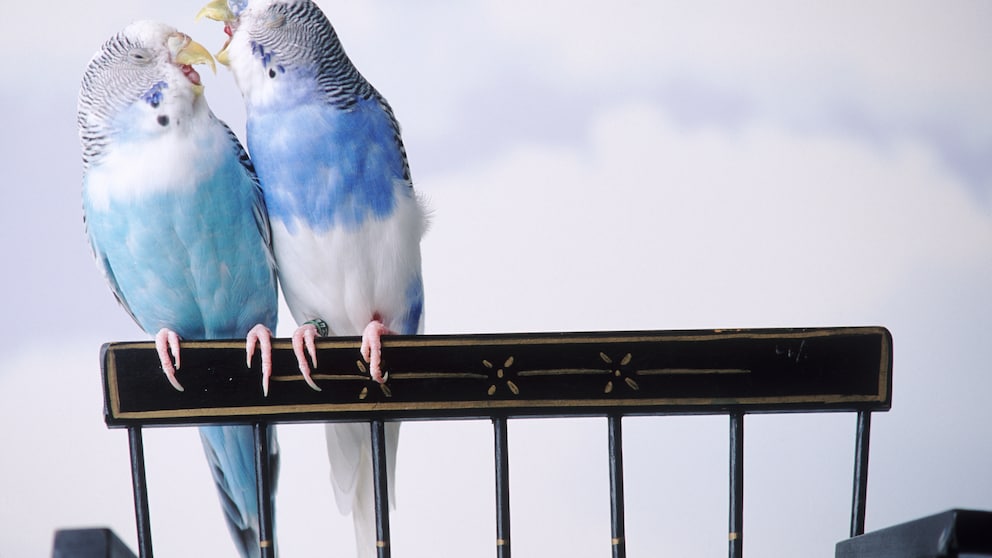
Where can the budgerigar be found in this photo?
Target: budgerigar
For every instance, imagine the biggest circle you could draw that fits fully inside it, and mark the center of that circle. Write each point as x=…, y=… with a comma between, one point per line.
x=177, y=223
x=346, y=223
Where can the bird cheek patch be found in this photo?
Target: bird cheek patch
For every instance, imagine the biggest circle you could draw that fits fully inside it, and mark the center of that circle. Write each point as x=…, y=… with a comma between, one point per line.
x=154, y=95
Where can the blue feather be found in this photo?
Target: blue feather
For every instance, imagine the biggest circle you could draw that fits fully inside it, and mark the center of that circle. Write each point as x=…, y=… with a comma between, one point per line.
x=177, y=222
x=340, y=169
x=412, y=320
x=345, y=220
x=175, y=265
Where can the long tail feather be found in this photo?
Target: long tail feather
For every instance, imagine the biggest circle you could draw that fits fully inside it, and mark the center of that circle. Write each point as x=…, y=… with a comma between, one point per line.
x=349, y=449
x=230, y=453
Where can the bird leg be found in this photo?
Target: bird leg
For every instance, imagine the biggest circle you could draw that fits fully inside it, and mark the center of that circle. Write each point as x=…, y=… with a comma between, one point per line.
x=165, y=341
x=303, y=344
x=261, y=336
x=372, y=348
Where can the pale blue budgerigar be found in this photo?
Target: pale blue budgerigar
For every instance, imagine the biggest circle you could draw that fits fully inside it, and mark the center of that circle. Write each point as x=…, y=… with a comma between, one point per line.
x=346, y=222
x=177, y=223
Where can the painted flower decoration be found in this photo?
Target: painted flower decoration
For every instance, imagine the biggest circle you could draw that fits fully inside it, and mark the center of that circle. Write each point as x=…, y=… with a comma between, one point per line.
x=501, y=373
x=365, y=390
x=617, y=372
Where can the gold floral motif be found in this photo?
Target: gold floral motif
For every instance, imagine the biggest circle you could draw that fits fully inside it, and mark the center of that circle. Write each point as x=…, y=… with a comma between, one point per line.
x=501, y=376
x=365, y=390
x=618, y=372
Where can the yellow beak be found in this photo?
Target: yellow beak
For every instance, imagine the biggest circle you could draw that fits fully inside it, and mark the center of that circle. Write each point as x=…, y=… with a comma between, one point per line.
x=223, y=57
x=217, y=10
x=187, y=51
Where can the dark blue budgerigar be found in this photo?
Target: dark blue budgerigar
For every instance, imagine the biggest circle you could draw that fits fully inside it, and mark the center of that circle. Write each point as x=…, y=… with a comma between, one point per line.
x=178, y=226
x=346, y=222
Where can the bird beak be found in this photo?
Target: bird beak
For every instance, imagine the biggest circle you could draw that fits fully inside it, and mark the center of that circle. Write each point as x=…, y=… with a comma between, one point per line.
x=218, y=11
x=223, y=57
x=186, y=51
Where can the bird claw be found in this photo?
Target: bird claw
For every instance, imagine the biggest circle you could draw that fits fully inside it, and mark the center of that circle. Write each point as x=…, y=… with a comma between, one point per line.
x=262, y=337
x=372, y=349
x=304, y=344
x=167, y=341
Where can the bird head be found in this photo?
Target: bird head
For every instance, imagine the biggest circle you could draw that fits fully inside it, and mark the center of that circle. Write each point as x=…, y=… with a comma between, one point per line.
x=229, y=12
x=224, y=12
x=280, y=50
x=142, y=80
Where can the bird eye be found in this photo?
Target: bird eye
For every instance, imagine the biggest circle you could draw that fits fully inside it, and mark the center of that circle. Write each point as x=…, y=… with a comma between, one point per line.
x=276, y=21
x=139, y=55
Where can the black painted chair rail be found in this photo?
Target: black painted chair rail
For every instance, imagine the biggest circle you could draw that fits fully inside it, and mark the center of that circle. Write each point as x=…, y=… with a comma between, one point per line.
x=501, y=376
x=516, y=375
x=949, y=534
x=98, y=542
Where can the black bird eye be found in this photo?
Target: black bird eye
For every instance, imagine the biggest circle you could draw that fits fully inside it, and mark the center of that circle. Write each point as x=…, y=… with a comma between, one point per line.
x=139, y=55
x=275, y=21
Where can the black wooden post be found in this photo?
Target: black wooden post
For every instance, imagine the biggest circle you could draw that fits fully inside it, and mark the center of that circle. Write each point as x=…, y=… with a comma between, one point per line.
x=263, y=484
x=736, y=536
x=140, y=487
x=616, y=486
x=860, y=497
x=381, y=484
x=502, y=488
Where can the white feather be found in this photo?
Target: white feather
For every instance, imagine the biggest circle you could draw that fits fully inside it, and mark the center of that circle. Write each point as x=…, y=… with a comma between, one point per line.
x=349, y=450
x=345, y=276
x=151, y=159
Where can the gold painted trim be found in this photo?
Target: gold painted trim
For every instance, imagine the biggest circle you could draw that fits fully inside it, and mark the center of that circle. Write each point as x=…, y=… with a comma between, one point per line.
x=576, y=338
x=112, y=388
x=328, y=377
x=690, y=371
x=332, y=409
x=564, y=372
x=392, y=376
x=885, y=366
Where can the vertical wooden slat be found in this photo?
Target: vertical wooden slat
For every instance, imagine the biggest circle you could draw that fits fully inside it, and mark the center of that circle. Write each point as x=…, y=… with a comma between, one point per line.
x=860, y=496
x=140, y=487
x=381, y=485
x=616, y=487
x=502, y=488
x=736, y=535
x=263, y=484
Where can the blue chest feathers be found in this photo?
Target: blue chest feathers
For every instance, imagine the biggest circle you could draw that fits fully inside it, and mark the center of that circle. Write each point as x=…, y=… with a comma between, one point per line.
x=325, y=167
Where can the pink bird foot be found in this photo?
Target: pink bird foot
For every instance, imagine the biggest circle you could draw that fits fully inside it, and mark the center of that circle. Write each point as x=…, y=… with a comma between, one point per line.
x=304, y=344
x=167, y=341
x=372, y=348
x=262, y=337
